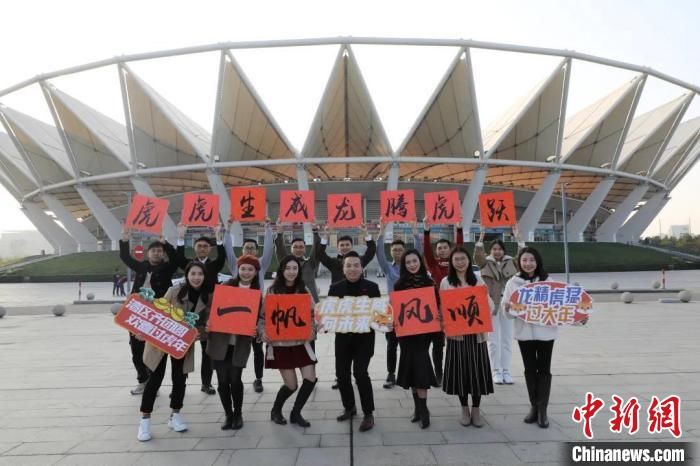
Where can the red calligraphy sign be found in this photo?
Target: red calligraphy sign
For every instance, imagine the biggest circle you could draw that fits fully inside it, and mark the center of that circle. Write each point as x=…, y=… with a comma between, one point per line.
x=288, y=317
x=397, y=206
x=248, y=204
x=159, y=323
x=297, y=206
x=497, y=209
x=443, y=207
x=415, y=311
x=465, y=311
x=344, y=210
x=147, y=214
x=234, y=310
x=200, y=210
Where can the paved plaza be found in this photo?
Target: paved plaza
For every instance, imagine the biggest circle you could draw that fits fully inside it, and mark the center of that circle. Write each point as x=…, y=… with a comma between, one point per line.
x=64, y=399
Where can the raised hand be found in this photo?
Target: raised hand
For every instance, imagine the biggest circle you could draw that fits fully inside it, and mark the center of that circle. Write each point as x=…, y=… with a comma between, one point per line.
x=482, y=233
x=181, y=230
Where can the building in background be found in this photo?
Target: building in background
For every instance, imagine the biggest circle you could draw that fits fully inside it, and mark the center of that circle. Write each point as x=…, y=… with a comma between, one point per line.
x=677, y=231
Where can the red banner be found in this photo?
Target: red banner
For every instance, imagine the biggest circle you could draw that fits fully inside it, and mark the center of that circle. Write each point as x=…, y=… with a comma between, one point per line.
x=344, y=210
x=497, y=209
x=550, y=304
x=297, y=206
x=415, y=311
x=465, y=311
x=397, y=206
x=288, y=317
x=200, y=210
x=248, y=204
x=234, y=310
x=443, y=207
x=159, y=323
x=147, y=214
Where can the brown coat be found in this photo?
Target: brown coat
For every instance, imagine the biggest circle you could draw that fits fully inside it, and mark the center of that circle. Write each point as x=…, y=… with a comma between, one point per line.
x=495, y=274
x=152, y=355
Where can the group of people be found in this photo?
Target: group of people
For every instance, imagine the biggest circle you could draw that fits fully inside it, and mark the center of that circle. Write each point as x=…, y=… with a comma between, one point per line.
x=472, y=363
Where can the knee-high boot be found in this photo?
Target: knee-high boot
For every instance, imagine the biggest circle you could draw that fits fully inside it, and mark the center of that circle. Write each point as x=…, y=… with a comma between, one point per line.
x=295, y=417
x=531, y=383
x=276, y=413
x=544, y=384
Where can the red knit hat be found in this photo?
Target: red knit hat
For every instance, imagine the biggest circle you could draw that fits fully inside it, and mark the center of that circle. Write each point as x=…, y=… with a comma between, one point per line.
x=250, y=260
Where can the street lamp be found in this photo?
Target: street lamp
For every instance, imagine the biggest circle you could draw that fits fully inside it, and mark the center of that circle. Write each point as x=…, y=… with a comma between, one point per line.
x=563, y=223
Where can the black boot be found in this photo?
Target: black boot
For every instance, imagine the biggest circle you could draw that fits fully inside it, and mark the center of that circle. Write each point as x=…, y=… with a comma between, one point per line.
x=531, y=383
x=416, y=409
x=295, y=417
x=276, y=413
x=225, y=398
x=228, y=423
x=424, y=413
x=544, y=384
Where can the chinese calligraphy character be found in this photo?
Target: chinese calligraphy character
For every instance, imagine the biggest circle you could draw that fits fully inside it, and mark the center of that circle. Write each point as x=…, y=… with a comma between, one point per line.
x=222, y=311
x=397, y=206
x=587, y=412
x=573, y=294
x=541, y=294
x=285, y=317
x=440, y=211
x=143, y=217
x=625, y=416
x=497, y=211
x=247, y=205
x=297, y=206
x=199, y=211
x=665, y=415
x=412, y=309
x=470, y=312
x=344, y=211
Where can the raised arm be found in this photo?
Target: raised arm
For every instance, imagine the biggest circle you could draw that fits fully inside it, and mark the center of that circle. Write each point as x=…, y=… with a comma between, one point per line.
x=280, y=250
x=268, y=248
x=479, y=252
x=371, y=247
x=460, y=236
x=417, y=243
x=125, y=253
x=381, y=256
x=228, y=249
x=220, y=250
x=427, y=247
x=179, y=259
x=321, y=253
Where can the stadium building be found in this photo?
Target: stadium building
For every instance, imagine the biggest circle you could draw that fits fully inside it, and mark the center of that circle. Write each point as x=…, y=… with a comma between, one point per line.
x=618, y=168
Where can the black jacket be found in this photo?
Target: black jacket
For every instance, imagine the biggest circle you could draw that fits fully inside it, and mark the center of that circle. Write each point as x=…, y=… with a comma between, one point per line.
x=362, y=287
x=161, y=274
x=212, y=267
x=335, y=264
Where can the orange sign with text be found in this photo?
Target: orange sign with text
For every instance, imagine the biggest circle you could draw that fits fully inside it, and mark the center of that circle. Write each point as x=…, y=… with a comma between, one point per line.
x=234, y=310
x=465, y=311
x=415, y=311
x=497, y=209
x=200, y=210
x=248, y=204
x=288, y=317
x=297, y=206
x=344, y=210
x=443, y=207
x=147, y=214
x=397, y=206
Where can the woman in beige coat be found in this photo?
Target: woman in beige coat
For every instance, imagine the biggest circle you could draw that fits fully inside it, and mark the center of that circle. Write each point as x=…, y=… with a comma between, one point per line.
x=496, y=269
x=190, y=297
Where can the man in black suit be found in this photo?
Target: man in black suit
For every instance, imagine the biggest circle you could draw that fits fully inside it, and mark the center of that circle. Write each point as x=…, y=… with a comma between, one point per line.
x=353, y=351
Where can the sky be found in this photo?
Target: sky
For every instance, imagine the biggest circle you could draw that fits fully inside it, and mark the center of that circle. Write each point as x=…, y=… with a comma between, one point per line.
x=43, y=36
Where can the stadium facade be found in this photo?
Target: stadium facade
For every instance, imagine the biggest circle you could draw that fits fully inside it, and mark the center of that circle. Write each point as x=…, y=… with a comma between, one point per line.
x=618, y=167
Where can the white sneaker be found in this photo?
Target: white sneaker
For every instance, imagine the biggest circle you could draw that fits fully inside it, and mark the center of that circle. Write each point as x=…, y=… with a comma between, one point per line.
x=138, y=389
x=144, y=434
x=177, y=423
x=507, y=378
x=498, y=378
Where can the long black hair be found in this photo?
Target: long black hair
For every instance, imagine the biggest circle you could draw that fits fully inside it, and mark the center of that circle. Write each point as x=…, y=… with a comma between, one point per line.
x=407, y=279
x=498, y=242
x=279, y=286
x=452, y=277
x=186, y=287
x=540, y=273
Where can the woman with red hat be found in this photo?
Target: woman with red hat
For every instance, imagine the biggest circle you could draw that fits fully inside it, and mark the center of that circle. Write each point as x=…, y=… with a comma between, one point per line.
x=229, y=353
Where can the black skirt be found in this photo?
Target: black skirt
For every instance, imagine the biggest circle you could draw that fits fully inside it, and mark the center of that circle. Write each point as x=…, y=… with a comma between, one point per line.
x=467, y=368
x=415, y=367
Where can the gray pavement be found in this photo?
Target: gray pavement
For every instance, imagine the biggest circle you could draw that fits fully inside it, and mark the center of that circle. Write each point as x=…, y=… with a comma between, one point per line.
x=64, y=399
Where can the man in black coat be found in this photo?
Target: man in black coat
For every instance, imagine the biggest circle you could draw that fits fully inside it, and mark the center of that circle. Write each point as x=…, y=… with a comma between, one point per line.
x=353, y=351
x=335, y=264
x=153, y=272
x=202, y=248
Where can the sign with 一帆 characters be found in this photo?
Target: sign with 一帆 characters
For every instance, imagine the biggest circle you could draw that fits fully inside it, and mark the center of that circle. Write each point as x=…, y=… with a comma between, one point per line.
x=551, y=304
x=159, y=323
x=353, y=314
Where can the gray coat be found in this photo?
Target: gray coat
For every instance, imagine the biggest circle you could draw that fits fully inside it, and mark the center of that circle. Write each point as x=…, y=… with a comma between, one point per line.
x=217, y=345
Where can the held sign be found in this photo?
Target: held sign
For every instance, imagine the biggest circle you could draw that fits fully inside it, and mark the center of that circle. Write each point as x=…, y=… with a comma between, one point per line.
x=551, y=304
x=234, y=310
x=288, y=317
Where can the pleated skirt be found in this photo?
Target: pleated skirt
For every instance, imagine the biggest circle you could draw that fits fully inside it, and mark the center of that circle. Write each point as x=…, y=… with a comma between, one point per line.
x=467, y=368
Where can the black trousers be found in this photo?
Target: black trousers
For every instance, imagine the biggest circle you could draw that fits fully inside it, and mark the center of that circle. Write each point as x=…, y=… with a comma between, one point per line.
x=206, y=371
x=537, y=356
x=438, y=341
x=230, y=383
x=392, y=344
x=258, y=359
x=137, y=346
x=353, y=352
x=156, y=379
